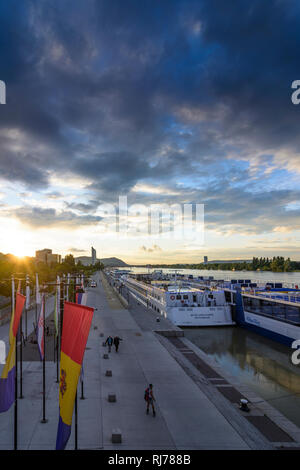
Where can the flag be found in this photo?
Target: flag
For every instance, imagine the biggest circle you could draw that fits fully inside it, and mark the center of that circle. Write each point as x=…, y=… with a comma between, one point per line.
x=12, y=310
x=40, y=330
x=57, y=304
x=37, y=291
x=81, y=298
x=68, y=283
x=76, y=326
x=27, y=305
x=7, y=380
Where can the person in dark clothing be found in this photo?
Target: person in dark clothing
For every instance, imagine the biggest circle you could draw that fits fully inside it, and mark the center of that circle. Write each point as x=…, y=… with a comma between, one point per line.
x=149, y=397
x=117, y=342
x=109, y=341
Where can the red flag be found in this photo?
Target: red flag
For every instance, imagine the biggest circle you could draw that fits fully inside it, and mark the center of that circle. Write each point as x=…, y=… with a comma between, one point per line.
x=77, y=321
x=20, y=301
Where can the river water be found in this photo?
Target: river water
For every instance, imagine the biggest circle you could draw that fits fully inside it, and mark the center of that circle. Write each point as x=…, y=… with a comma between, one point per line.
x=262, y=364
x=288, y=278
x=258, y=362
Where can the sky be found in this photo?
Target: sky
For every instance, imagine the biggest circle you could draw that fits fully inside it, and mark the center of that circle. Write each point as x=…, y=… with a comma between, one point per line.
x=159, y=102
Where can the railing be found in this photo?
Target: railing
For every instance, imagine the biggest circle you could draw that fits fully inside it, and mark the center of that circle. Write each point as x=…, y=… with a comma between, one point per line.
x=284, y=297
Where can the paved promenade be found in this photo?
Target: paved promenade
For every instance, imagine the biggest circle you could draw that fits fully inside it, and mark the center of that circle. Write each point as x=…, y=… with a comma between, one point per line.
x=187, y=416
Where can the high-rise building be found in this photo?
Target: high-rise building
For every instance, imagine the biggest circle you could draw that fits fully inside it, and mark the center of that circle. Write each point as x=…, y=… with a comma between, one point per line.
x=205, y=259
x=94, y=256
x=46, y=256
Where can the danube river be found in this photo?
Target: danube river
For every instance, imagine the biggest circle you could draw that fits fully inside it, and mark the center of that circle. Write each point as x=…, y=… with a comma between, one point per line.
x=288, y=278
x=262, y=364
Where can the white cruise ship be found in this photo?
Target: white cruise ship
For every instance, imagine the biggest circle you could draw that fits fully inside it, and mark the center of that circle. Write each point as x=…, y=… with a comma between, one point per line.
x=181, y=303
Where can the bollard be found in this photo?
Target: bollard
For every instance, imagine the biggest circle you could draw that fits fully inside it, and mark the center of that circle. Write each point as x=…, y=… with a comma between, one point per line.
x=108, y=373
x=112, y=398
x=244, y=405
x=105, y=356
x=101, y=334
x=116, y=436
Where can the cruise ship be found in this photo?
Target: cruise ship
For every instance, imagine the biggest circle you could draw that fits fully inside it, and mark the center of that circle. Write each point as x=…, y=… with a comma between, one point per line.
x=271, y=309
x=273, y=313
x=181, y=302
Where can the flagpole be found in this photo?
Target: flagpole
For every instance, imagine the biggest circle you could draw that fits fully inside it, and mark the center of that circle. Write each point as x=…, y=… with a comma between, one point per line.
x=57, y=364
x=16, y=400
x=21, y=357
x=58, y=330
x=76, y=423
x=26, y=323
x=82, y=395
x=76, y=404
x=36, y=307
x=44, y=420
x=60, y=326
x=54, y=348
x=27, y=304
x=16, y=392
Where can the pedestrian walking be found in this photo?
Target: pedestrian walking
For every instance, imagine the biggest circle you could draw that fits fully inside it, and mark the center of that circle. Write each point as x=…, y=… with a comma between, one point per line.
x=117, y=342
x=109, y=341
x=149, y=397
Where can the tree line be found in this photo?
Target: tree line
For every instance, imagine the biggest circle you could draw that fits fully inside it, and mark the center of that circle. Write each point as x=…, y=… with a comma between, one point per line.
x=275, y=264
x=19, y=267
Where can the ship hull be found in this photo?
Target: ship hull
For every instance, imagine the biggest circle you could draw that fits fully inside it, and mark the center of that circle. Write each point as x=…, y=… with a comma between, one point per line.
x=275, y=330
x=201, y=316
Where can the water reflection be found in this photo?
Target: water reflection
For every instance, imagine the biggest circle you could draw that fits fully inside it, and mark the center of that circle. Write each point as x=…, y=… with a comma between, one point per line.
x=262, y=364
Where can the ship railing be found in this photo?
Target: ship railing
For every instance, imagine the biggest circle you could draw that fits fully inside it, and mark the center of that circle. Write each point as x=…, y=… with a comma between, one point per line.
x=289, y=298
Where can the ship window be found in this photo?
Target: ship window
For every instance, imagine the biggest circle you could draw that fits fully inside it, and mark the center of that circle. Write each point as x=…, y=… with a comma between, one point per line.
x=178, y=297
x=279, y=311
x=185, y=296
x=194, y=298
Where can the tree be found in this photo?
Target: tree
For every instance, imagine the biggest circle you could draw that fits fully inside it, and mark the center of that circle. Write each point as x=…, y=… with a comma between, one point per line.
x=287, y=265
x=69, y=260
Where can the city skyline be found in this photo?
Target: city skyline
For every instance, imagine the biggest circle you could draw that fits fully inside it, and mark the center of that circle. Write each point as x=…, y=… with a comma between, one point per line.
x=165, y=105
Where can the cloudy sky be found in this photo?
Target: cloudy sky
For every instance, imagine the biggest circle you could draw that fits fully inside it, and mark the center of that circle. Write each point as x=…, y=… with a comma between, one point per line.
x=164, y=102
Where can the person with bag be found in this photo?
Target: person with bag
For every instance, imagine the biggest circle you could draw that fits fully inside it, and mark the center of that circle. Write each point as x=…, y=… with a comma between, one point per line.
x=149, y=397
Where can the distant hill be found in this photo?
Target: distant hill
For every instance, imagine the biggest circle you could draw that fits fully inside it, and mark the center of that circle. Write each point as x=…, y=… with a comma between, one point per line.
x=113, y=262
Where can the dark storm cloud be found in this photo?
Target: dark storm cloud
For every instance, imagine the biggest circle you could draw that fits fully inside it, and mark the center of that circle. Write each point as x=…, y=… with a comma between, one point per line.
x=255, y=59
x=81, y=207
x=37, y=217
x=21, y=167
x=153, y=92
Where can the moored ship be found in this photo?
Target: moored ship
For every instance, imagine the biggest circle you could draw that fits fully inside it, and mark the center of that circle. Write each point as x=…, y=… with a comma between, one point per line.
x=180, y=302
x=271, y=309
